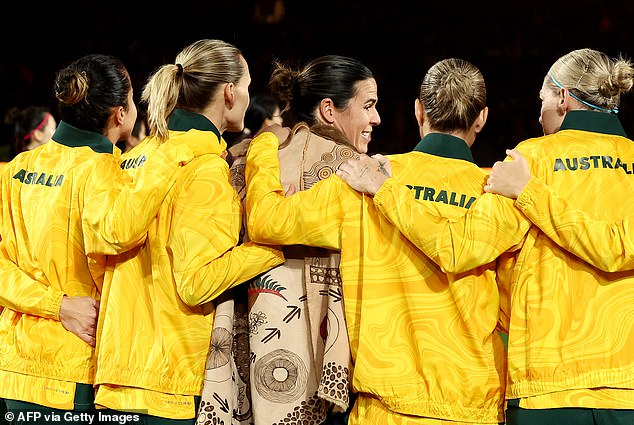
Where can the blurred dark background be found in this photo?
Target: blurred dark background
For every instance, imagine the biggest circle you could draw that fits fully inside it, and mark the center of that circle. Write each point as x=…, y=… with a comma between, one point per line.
x=513, y=43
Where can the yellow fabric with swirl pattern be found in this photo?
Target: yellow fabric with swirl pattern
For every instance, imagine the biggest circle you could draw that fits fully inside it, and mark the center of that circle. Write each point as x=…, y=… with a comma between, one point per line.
x=424, y=343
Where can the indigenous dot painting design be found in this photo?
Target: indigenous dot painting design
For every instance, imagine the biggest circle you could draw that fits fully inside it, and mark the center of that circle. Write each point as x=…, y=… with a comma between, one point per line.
x=310, y=412
x=325, y=275
x=332, y=382
x=207, y=415
x=330, y=162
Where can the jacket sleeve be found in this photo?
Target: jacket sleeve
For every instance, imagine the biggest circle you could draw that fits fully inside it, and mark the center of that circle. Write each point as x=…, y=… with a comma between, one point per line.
x=491, y=226
x=203, y=236
x=117, y=211
x=22, y=293
x=310, y=217
x=608, y=246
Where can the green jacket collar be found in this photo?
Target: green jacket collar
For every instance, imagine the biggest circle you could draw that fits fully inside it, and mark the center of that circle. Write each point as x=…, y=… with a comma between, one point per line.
x=596, y=122
x=182, y=120
x=445, y=145
x=73, y=137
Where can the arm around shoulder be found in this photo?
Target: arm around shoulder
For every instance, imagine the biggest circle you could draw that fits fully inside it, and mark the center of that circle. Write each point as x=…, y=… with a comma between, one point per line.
x=118, y=210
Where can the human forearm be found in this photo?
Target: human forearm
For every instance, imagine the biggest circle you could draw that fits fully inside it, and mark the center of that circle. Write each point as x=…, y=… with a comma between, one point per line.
x=201, y=283
x=117, y=213
x=311, y=217
x=607, y=245
x=22, y=293
x=490, y=227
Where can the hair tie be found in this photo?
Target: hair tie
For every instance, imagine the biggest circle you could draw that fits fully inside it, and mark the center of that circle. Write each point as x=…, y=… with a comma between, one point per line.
x=40, y=126
x=614, y=110
x=180, y=70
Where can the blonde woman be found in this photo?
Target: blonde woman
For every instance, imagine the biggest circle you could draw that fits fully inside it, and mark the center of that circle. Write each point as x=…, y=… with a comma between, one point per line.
x=157, y=310
x=571, y=329
x=606, y=244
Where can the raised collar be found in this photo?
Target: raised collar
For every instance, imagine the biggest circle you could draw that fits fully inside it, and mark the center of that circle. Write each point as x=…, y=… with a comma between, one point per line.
x=445, y=145
x=182, y=120
x=73, y=137
x=596, y=122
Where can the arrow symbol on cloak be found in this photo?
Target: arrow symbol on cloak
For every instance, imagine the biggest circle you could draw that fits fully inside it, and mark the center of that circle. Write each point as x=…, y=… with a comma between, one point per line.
x=295, y=311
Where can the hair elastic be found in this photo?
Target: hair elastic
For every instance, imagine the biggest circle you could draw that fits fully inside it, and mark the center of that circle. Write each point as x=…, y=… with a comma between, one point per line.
x=180, y=70
x=38, y=127
x=615, y=110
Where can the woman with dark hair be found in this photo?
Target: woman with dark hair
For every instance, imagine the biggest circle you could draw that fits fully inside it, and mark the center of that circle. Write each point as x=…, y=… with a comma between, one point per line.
x=263, y=111
x=424, y=343
x=65, y=207
x=303, y=371
x=32, y=126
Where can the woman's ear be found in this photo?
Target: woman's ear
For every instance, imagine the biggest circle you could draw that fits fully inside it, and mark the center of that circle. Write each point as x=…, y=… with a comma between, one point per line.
x=564, y=102
x=481, y=119
x=119, y=115
x=229, y=96
x=419, y=112
x=327, y=110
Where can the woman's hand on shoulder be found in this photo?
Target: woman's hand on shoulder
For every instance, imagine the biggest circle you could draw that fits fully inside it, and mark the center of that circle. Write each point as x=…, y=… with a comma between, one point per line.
x=508, y=178
x=366, y=174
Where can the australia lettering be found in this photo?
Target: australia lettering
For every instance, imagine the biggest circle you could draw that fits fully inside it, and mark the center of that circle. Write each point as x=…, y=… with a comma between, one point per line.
x=35, y=177
x=446, y=197
x=133, y=162
x=594, y=161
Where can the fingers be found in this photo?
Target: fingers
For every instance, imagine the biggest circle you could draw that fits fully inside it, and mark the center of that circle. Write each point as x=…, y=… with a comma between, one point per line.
x=346, y=168
x=79, y=316
x=514, y=154
x=87, y=332
x=88, y=339
x=292, y=189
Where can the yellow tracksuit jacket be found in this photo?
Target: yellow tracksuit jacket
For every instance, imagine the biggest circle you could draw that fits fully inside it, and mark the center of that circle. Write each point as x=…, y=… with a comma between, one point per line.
x=61, y=202
x=606, y=244
x=156, y=312
x=571, y=331
x=423, y=342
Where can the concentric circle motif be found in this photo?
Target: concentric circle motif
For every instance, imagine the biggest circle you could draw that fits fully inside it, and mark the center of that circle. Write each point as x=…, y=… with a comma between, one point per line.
x=324, y=173
x=280, y=376
x=347, y=153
